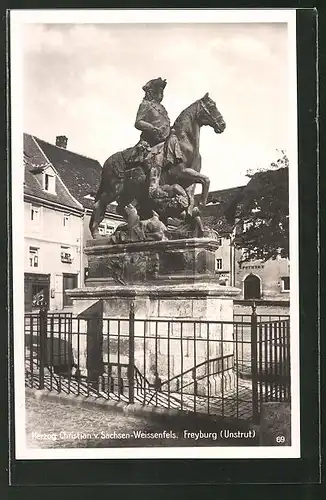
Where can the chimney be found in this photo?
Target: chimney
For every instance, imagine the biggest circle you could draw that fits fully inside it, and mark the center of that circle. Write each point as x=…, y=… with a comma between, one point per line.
x=61, y=141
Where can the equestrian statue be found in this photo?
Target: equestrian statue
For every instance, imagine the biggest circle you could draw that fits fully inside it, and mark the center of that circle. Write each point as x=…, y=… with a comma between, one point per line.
x=158, y=175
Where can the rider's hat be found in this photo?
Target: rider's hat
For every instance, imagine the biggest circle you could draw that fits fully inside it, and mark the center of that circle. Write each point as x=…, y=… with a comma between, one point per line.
x=155, y=84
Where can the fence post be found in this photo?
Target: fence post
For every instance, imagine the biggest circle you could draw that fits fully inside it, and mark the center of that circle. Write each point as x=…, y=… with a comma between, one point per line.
x=94, y=347
x=254, y=368
x=131, y=374
x=43, y=315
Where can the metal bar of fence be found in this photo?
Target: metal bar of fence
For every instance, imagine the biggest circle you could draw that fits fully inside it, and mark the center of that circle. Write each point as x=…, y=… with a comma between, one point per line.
x=242, y=348
x=131, y=374
x=195, y=371
x=270, y=364
x=120, y=382
x=237, y=368
x=31, y=349
x=181, y=361
x=275, y=361
x=266, y=364
x=216, y=360
x=68, y=352
x=208, y=370
x=255, y=409
x=222, y=368
x=67, y=360
x=156, y=363
x=282, y=328
x=88, y=330
x=43, y=336
x=69, y=333
x=260, y=358
x=288, y=362
x=279, y=355
x=281, y=369
x=168, y=352
x=78, y=354
x=283, y=360
x=109, y=373
x=146, y=326
x=50, y=361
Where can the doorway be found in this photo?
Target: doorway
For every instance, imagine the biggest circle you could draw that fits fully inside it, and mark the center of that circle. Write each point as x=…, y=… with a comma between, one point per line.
x=69, y=281
x=251, y=287
x=37, y=288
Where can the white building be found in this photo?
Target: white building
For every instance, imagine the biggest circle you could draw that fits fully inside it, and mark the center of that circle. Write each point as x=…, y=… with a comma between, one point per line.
x=59, y=191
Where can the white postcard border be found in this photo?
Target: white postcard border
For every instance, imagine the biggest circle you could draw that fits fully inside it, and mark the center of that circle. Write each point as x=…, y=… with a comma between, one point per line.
x=17, y=19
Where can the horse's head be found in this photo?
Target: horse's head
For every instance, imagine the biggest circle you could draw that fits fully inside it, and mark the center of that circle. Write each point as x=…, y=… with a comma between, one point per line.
x=208, y=114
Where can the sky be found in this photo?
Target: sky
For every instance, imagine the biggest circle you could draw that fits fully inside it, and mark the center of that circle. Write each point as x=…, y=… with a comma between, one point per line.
x=85, y=81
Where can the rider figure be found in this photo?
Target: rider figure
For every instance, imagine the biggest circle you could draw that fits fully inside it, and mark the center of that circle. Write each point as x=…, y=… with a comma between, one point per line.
x=154, y=123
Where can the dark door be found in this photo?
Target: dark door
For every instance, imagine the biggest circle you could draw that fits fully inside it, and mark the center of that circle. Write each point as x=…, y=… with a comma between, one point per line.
x=37, y=290
x=69, y=282
x=251, y=287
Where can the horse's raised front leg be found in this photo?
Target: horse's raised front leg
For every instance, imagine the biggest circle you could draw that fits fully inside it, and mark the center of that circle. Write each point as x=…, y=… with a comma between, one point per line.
x=190, y=176
x=204, y=195
x=99, y=213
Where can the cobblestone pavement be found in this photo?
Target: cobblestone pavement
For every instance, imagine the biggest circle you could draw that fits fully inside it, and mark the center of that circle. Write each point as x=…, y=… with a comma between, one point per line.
x=236, y=402
x=54, y=424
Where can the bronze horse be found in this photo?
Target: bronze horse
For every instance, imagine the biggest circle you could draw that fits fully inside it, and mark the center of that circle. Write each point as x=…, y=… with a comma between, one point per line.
x=144, y=183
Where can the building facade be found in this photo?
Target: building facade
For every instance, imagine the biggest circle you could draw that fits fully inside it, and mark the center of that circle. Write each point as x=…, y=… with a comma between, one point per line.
x=268, y=280
x=81, y=175
x=52, y=233
x=59, y=193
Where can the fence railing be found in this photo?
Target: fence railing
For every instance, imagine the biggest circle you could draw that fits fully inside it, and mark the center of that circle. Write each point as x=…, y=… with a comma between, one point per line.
x=227, y=368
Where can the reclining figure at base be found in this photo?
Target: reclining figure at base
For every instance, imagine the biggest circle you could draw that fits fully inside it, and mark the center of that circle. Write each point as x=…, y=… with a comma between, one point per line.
x=135, y=229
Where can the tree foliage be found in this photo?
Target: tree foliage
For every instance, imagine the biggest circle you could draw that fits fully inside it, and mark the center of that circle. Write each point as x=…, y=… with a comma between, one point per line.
x=260, y=214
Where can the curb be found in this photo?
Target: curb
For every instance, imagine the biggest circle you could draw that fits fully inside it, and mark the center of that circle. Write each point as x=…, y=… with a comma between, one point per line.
x=135, y=409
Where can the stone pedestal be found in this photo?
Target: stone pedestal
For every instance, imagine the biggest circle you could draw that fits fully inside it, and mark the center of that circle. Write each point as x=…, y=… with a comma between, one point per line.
x=182, y=332
x=177, y=261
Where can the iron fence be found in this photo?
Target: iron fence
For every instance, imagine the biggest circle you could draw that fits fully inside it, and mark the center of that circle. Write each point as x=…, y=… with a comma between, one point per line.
x=217, y=367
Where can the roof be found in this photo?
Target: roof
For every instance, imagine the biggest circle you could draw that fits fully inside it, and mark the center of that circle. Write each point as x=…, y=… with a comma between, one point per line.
x=34, y=162
x=218, y=203
x=80, y=174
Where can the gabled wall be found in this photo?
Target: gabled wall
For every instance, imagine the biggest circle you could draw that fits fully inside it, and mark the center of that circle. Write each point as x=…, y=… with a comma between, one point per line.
x=269, y=273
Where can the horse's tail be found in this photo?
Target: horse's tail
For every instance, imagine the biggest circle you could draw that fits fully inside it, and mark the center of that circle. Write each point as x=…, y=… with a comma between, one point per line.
x=113, y=172
x=100, y=190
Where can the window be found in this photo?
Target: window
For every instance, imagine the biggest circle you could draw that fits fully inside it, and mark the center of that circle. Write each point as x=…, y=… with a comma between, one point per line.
x=285, y=281
x=33, y=257
x=66, y=256
x=49, y=183
x=35, y=214
x=106, y=229
x=219, y=264
x=66, y=220
x=219, y=241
